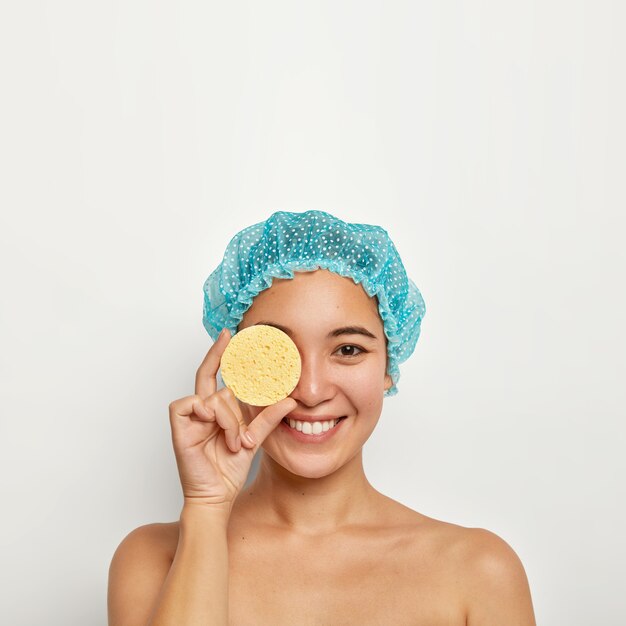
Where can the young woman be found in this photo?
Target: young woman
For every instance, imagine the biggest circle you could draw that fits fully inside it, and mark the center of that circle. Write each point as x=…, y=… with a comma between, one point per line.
x=311, y=541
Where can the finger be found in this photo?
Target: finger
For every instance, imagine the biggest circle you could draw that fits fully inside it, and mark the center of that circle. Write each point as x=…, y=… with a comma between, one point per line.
x=225, y=417
x=206, y=376
x=202, y=413
x=235, y=406
x=180, y=410
x=185, y=415
x=267, y=420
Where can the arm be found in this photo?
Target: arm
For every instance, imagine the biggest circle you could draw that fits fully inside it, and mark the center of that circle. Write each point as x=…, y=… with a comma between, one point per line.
x=214, y=448
x=497, y=587
x=196, y=589
x=147, y=588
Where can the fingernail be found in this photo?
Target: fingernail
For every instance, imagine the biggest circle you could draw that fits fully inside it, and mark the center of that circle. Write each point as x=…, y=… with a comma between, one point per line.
x=221, y=333
x=249, y=438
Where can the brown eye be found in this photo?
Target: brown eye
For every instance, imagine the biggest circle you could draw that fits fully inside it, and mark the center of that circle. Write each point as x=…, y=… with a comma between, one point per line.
x=350, y=351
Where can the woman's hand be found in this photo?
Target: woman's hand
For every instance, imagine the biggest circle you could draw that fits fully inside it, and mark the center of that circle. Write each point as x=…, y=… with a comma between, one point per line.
x=209, y=435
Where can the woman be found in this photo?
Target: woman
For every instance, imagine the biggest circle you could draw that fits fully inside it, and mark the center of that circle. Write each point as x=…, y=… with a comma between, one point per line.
x=311, y=541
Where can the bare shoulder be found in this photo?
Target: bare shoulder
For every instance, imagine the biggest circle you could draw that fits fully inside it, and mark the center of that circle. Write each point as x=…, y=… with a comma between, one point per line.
x=495, y=581
x=490, y=576
x=138, y=569
x=481, y=572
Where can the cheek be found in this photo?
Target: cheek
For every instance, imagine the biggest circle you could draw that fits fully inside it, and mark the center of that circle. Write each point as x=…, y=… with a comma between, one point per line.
x=368, y=377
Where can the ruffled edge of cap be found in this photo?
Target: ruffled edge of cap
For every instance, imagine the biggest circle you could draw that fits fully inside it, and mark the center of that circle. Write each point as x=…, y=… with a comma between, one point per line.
x=216, y=318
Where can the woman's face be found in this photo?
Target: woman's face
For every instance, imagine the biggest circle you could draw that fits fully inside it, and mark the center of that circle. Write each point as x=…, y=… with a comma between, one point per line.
x=329, y=318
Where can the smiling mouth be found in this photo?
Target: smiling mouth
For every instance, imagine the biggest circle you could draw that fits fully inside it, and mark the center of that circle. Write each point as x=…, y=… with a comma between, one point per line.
x=313, y=428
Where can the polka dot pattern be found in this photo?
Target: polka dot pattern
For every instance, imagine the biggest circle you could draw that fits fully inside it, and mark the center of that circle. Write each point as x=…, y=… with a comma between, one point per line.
x=299, y=242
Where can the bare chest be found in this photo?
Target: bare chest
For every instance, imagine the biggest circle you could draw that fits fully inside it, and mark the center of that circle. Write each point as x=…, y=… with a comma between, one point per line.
x=336, y=580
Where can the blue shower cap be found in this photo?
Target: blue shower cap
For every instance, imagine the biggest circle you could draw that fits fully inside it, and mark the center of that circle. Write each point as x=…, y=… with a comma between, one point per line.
x=302, y=242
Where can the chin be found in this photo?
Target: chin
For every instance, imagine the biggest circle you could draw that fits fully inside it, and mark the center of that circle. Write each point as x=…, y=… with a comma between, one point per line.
x=311, y=472
x=305, y=467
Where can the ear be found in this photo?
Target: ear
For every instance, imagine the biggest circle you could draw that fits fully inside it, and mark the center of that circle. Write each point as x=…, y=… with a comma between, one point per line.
x=388, y=382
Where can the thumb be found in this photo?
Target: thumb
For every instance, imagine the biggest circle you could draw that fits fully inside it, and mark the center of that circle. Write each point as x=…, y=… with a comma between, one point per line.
x=267, y=420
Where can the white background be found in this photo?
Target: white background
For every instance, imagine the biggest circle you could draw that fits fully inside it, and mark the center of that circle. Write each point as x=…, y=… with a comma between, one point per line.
x=487, y=137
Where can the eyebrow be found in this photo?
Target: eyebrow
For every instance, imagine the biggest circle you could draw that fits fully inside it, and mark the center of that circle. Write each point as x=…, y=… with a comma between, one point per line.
x=344, y=330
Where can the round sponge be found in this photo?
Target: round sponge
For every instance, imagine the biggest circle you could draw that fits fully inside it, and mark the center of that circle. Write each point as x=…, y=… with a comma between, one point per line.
x=261, y=365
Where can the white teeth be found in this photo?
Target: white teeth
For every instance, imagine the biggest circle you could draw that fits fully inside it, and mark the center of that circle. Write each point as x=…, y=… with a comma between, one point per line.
x=312, y=428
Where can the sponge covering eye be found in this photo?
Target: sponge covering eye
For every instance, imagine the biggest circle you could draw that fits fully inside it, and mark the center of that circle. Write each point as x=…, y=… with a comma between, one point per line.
x=261, y=365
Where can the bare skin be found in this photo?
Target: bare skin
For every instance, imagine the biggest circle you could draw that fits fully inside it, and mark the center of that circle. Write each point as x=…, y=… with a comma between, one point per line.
x=311, y=542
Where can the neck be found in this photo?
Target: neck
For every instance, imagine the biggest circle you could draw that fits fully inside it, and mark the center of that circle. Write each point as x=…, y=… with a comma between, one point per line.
x=311, y=506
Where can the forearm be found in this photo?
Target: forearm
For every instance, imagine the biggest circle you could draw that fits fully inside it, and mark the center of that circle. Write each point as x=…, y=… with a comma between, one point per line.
x=195, y=592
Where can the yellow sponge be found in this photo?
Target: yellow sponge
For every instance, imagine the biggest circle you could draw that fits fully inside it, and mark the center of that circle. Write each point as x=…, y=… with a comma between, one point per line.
x=261, y=365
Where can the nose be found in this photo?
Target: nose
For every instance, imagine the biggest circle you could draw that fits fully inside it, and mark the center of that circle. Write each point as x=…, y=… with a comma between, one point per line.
x=315, y=384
